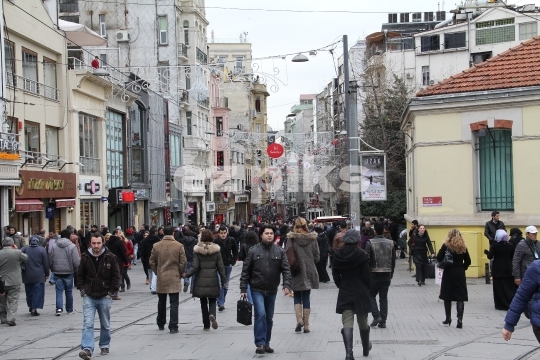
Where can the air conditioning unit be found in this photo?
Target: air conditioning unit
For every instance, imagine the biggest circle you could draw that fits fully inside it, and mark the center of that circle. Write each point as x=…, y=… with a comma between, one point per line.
x=210, y=207
x=254, y=114
x=240, y=127
x=409, y=75
x=122, y=36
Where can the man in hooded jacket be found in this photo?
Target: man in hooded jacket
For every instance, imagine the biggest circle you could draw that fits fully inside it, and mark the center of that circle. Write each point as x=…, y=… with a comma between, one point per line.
x=64, y=261
x=350, y=270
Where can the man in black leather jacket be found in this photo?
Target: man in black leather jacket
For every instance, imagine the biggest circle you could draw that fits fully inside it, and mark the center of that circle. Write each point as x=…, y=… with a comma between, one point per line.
x=262, y=268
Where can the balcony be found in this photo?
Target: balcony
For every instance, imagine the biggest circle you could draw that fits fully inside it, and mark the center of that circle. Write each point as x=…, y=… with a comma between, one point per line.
x=182, y=52
x=91, y=166
x=195, y=143
x=220, y=102
x=204, y=103
x=32, y=87
x=202, y=57
x=183, y=98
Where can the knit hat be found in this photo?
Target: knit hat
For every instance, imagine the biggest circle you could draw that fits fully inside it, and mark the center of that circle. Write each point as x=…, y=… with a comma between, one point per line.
x=129, y=231
x=351, y=237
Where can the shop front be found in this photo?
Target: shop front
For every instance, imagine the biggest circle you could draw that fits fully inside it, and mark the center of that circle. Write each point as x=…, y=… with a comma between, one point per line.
x=120, y=201
x=240, y=208
x=44, y=200
x=141, y=207
x=157, y=213
x=9, y=175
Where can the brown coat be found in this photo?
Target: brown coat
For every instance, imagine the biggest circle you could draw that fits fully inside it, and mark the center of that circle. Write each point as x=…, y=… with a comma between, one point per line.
x=168, y=261
x=307, y=252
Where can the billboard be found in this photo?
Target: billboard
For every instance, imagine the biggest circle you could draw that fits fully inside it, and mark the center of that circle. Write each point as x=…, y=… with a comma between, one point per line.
x=373, y=170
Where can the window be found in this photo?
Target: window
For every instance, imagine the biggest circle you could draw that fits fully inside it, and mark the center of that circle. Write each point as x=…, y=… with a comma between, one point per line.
x=242, y=157
x=496, y=174
x=9, y=49
x=49, y=91
x=417, y=17
x=51, y=142
x=492, y=32
x=115, y=149
x=88, y=145
x=219, y=126
x=31, y=137
x=163, y=35
x=392, y=18
x=428, y=16
x=526, y=30
x=102, y=26
x=138, y=162
x=222, y=59
x=239, y=64
x=188, y=123
x=440, y=15
x=258, y=128
x=186, y=32
x=103, y=60
x=74, y=19
x=163, y=75
x=425, y=75
x=404, y=17
x=258, y=104
x=220, y=160
x=174, y=141
x=188, y=78
x=430, y=43
x=454, y=40
x=30, y=74
x=69, y=6
x=232, y=156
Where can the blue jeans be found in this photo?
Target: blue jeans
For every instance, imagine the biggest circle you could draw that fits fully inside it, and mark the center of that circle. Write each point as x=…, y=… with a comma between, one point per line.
x=51, y=278
x=263, y=304
x=135, y=250
x=35, y=295
x=302, y=297
x=250, y=298
x=64, y=284
x=222, y=291
x=190, y=280
x=103, y=308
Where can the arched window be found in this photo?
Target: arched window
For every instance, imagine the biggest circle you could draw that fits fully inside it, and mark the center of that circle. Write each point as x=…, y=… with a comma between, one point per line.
x=186, y=32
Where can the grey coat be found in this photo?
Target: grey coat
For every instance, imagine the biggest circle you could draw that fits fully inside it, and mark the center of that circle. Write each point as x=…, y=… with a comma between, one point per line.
x=206, y=260
x=64, y=257
x=10, y=265
x=37, y=265
x=523, y=257
x=307, y=253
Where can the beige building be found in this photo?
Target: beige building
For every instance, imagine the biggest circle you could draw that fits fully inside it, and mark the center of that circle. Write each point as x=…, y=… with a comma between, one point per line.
x=472, y=146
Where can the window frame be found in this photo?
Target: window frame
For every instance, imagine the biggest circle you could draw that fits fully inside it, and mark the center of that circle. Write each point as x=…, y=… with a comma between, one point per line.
x=164, y=76
x=89, y=144
x=189, y=123
x=27, y=52
x=163, y=34
x=50, y=62
x=450, y=40
x=185, y=27
x=219, y=126
x=102, y=25
x=9, y=43
x=425, y=79
x=49, y=137
x=26, y=140
x=115, y=148
x=523, y=34
x=433, y=45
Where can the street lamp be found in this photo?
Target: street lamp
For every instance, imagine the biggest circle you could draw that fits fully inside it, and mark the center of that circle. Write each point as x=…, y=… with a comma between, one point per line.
x=300, y=58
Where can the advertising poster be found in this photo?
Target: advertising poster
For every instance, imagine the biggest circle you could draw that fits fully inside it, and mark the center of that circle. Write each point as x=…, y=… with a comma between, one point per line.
x=373, y=170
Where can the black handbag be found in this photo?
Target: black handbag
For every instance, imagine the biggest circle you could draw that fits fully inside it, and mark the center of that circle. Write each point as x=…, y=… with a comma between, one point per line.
x=447, y=260
x=244, y=311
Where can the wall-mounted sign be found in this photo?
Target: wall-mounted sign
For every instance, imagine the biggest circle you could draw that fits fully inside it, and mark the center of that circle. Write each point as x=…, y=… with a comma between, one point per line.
x=43, y=184
x=8, y=156
x=429, y=201
x=222, y=208
x=141, y=193
x=90, y=186
x=49, y=212
x=9, y=144
x=241, y=198
x=127, y=196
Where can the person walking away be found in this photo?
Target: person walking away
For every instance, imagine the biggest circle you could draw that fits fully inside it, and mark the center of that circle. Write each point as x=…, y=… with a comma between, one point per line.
x=189, y=242
x=420, y=243
x=229, y=253
x=146, y=251
x=142, y=242
x=168, y=262
x=10, y=271
x=135, y=243
x=50, y=243
x=322, y=242
x=265, y=263
x=37, y=271
x=98, y=281
x=351, y=274
x=307, y=254
x=116, y=246
x=130, y=253
x=502, y=253
x=453, y=283
x=515, y=236
x=64, y=261
x=382, y=263
x=207, y=264
x=250, y=240
x=337, y=243
x=527, y=251
x=527, y=295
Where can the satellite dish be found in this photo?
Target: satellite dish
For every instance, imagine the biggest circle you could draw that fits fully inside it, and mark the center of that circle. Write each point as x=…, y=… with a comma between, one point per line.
x=431, y=82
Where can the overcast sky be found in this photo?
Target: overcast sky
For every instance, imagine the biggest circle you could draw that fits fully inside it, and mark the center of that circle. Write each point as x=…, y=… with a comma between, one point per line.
x=277, y=33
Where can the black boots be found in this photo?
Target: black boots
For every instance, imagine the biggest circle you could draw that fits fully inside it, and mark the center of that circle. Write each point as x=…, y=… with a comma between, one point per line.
x=460, y=308
x=448, y=312
x=347, y=334
x=366, y=344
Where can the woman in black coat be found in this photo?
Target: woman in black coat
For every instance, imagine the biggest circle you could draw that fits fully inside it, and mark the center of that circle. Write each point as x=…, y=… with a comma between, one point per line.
x=419, y=244
x=351, y=273
x=502, y=253
x=322, y=241
x=453, y=284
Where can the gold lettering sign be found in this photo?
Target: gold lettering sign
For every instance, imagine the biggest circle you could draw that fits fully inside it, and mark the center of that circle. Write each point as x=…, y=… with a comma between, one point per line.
x=45, y=184
x=20, y=189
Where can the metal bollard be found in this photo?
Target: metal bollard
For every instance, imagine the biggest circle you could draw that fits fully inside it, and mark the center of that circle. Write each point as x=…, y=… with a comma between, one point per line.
x=488, y=279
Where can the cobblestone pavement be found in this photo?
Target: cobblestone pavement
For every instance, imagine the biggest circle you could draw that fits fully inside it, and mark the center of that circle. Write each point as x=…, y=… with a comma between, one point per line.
x=414, y=329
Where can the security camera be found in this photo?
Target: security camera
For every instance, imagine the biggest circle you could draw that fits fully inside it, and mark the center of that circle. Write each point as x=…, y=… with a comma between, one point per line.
x=78, y=163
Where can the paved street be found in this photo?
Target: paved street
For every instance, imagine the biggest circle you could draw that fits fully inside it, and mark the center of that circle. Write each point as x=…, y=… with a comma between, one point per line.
x=414, y=329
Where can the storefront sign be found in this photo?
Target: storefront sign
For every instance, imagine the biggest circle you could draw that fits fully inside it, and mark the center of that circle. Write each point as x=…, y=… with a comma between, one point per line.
x=92, y=187
x=42, y=184
x=241, y=198
x=274, y=150
x=373, y=177
x=429, y=201
x=222, y=208
x=9, y=144
x=127, y=196
x=49, y=212
x=141, y=193
x=8, y=156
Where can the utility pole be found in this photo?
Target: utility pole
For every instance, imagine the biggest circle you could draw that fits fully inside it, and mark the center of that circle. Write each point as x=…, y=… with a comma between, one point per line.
x=353, y=140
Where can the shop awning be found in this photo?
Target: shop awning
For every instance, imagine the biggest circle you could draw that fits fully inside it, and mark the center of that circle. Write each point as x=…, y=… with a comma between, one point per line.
x=64, y=203
x=28, y=205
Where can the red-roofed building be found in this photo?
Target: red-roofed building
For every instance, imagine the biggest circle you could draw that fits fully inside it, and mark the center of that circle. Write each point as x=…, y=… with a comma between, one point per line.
x=472, y=139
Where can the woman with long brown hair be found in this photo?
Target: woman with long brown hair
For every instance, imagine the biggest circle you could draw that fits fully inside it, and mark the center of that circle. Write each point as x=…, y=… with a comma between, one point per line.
x=454, y=285
x=307, y=254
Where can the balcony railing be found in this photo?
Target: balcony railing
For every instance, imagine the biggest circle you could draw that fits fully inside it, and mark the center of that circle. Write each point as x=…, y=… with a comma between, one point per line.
x=31, y=86
x=182, y=50
x=91, y=166
x=202, y=57
x=204, y=102
x=41, y=159
x=221, y=102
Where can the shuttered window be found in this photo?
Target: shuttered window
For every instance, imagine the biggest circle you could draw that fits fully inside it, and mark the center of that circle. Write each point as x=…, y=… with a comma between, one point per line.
x=496, y=172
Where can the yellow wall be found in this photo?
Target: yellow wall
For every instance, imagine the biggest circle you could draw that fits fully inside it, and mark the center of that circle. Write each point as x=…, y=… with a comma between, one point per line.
x=448, y=128
x=531, y=125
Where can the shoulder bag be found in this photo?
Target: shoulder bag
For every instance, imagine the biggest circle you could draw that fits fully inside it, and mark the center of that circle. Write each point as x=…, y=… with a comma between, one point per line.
x=292, y=258
x=447, y=260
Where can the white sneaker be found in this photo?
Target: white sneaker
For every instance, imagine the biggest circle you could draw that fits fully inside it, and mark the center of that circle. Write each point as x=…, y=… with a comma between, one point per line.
x=59, y=312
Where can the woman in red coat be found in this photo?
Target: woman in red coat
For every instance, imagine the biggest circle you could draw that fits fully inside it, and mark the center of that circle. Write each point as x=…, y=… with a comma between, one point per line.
x=130, y=253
